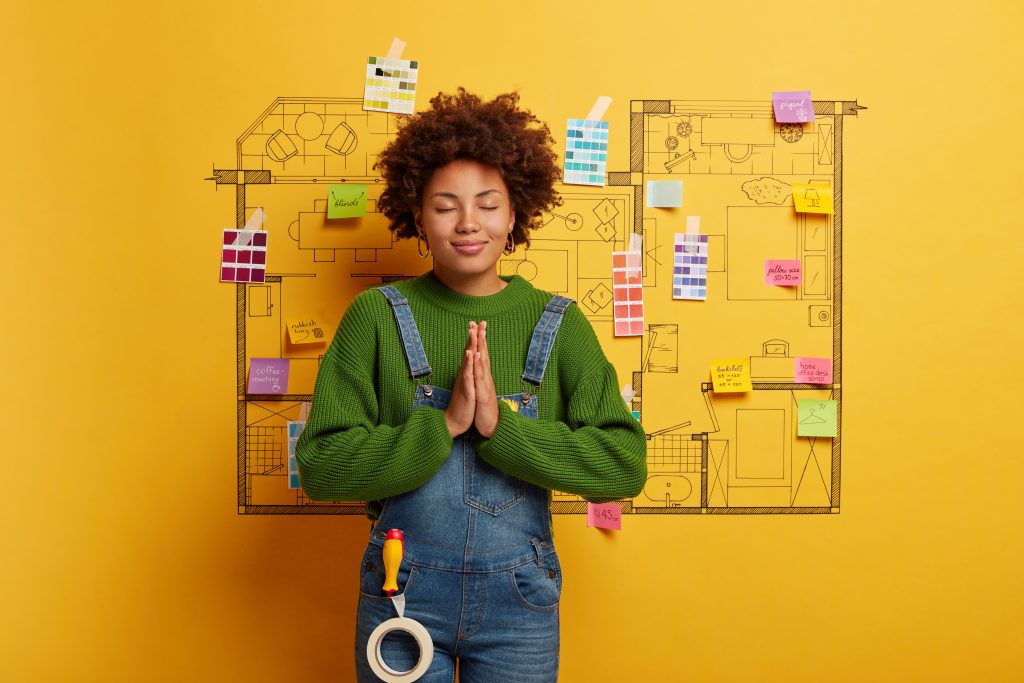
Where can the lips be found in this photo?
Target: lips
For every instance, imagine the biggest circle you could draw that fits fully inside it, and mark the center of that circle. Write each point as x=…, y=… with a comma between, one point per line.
x=468, y=247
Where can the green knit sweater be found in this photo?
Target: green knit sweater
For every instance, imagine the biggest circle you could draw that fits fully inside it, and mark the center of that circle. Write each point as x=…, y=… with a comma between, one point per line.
x=363, y=441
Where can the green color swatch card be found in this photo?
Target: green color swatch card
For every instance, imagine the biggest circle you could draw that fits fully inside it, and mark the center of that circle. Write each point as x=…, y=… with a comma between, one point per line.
x=346, y=201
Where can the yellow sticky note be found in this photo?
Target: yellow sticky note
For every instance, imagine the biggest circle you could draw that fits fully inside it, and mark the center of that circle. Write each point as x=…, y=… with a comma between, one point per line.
x=307, y=330
x=730, y=375
x=812, y=197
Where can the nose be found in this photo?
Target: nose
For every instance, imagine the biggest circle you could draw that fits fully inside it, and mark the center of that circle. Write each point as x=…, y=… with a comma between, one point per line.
x=468, y=221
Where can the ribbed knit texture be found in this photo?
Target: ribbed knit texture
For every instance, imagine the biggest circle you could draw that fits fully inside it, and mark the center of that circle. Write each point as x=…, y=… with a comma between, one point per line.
x=363, y=441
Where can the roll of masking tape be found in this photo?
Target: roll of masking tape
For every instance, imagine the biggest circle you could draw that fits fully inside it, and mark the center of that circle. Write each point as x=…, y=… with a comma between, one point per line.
x=413, y=628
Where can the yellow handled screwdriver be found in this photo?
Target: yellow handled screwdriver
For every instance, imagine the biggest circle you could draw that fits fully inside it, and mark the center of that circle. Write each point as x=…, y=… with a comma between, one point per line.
x=394, y=547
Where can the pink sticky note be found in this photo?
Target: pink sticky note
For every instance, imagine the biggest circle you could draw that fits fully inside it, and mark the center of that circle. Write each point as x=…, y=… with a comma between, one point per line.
x=793, y=106
x=268, y=376
x=784, y=273
x=813, y=370
x=604, y=516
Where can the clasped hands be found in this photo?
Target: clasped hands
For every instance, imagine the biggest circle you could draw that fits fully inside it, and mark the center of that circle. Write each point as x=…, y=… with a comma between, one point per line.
x=474, y=401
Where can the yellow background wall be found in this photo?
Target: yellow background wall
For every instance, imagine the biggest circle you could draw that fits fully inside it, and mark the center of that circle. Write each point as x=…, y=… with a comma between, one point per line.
x=124, y=557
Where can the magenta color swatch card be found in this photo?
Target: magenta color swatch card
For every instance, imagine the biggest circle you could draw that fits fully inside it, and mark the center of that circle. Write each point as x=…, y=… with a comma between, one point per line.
x=604, y=516
x=268, y=376
x=243, y=256
x=813, y=370
x=782, y=272
x=794, y=106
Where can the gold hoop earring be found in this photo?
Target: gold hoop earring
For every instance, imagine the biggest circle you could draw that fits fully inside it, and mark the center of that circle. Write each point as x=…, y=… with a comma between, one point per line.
x=510, y=245
x=421, y=244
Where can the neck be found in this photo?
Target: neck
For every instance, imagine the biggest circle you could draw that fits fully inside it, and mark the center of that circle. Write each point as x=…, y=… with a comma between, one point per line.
x=476, y=284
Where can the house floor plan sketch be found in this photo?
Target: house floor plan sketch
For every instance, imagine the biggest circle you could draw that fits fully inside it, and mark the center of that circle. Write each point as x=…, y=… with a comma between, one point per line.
x=708, y=452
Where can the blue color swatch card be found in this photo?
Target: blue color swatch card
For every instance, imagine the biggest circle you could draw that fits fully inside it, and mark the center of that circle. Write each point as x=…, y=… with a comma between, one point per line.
x=586, y=152
x=690, y=267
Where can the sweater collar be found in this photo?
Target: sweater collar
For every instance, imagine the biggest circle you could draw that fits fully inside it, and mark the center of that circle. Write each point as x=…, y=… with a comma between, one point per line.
x=435, y=292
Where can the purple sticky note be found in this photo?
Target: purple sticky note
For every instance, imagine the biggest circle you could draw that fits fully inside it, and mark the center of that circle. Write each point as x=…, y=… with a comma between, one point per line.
x=604, y=516
x=813, y=370
x=268, y=376
x=793, y=106
x=782, y=272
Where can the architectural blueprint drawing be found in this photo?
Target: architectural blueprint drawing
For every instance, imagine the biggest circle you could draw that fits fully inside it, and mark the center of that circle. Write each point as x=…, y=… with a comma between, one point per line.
x=708, y=453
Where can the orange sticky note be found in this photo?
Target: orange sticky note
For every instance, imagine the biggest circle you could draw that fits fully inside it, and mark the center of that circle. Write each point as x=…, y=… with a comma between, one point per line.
x=604, y=516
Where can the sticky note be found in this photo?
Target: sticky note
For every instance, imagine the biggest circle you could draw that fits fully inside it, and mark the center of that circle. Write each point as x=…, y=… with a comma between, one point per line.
x=812, y=370
x=666, y=194
x=604, y=516
x=690, y=267
x=793, y=106
x=268, y=376
x=782, y=272
x=816, y=417
x=294, y=432
x=346, y=201
x=812, y=197
x=628, y=293
x=243, y=256
x=390, y=85
x=308, y=330
x=731, y=375
x=586, y=152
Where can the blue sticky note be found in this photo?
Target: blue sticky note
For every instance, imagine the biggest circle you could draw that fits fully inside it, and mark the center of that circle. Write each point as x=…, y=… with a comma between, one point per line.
x=665, y=194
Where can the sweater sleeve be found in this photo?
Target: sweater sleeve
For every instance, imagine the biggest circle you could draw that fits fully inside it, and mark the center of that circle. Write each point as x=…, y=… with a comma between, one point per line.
x=599, y=452
x=344, y=452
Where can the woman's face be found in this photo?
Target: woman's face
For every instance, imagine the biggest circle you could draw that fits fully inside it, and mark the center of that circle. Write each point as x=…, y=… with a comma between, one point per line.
x=466, y=217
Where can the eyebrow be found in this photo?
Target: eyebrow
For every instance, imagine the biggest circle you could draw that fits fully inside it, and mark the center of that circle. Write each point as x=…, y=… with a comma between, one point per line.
x=452, y=195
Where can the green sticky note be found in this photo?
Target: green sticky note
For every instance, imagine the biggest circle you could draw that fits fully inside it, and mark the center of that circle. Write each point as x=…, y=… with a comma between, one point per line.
x=816, y=417
x=346, y=201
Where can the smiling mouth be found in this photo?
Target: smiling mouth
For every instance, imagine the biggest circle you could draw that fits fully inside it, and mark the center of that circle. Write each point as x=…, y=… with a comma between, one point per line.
x=469, y=247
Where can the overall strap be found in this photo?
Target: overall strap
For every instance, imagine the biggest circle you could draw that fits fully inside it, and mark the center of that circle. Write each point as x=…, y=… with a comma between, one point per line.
x=414, y=353
x=543, y=339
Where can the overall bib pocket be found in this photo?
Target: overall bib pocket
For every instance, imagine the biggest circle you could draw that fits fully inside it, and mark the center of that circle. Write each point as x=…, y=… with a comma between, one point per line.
x=488, y=489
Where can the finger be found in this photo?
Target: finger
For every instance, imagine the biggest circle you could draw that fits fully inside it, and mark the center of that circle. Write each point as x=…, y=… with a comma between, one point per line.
x=474, y=336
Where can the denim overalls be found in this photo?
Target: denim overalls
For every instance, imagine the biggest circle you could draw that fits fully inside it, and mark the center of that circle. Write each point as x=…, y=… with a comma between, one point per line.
x=479, y=569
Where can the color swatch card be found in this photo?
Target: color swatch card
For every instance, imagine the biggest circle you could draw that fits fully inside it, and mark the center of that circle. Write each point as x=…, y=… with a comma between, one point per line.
x=813, y=370
x=730, y=375
x=628, y=293
x=294, y=432
x=816, y=417
x=308, y=330
x=586, y=152
x=390, y=85
x=346, y=201
x=782, y=272
x=604, y=516
x=812, y=197
x=244, y=256
x=793, y=106
x=665, y=194
x=268, y=376
x=690, y=267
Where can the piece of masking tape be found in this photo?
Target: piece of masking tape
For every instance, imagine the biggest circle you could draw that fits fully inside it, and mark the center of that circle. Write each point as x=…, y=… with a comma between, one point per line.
x=600, y=107
x=413, y=628
x=255, y=220
x=692, y=224
x=397, y=48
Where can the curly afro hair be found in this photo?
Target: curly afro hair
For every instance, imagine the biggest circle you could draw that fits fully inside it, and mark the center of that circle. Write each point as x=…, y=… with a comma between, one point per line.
x=462, y=126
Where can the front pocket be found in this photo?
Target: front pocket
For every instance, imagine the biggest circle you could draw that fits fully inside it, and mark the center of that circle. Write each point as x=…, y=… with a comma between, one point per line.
x=488, y=488
x=538, y=588
x=372, y=574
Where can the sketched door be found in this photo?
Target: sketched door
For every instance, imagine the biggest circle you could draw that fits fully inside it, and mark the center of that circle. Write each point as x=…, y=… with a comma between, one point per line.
x=263, y=321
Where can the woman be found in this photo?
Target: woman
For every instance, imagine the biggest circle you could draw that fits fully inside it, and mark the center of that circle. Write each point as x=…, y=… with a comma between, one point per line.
x=461, y=450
